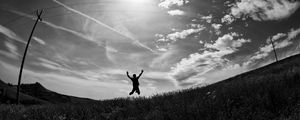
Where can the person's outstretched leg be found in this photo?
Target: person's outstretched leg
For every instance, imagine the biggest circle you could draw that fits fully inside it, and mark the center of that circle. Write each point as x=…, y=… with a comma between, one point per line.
x=137, y=90
x=132, y=91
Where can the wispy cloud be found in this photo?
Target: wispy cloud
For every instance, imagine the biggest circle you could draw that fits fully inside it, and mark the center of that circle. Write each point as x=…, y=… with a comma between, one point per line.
x=180, y=35
x=265, y=50
x=166, y=59
x=176, y=12
x=198, y=64
x=262, y=10
x=78, y=34
x=277, y=37
x=228, y=19
x=105, y=25
x=293, y=33
x=49, y=64
x=168, y=3
x=39, y=40
x=217, y=28
x=8, y=54
x=10, y=34
x=207, y=18
x=12, y=50
x=227, y=42
x=81, y=35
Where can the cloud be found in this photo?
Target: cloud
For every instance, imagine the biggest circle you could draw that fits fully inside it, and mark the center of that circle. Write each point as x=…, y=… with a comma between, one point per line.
x=190, y=66
x=263, y=10
x=277, y=37
x=39, y=40
x=165, y=60
x=8, y=54
x=126, y=35
x=194, y=80
x=168, y=3
x=227, y=42
x=283, y=44
x=217, y=28
x=228, y=19
x=199, y=64
x=207, y=18
x=10, y=34
x=49, y=64
x=265, y=50
x=81, y=35
x=182, y=34
x=158, y=76
x=12, y=50
x=229, y=70
x=176, y=12
x=165, y=42
x=293, y=33
x=162, y=49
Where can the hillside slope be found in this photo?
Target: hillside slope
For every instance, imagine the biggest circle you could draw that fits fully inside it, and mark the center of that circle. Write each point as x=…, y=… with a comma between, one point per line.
x=270, y=92
x=39, y=91
x=8, y=95
x=36, y=94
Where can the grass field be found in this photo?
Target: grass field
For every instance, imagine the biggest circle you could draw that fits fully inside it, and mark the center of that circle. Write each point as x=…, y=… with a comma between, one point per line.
x=270, y=92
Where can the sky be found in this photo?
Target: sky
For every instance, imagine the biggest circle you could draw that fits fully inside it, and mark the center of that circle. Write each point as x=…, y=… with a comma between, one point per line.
x=84, y=48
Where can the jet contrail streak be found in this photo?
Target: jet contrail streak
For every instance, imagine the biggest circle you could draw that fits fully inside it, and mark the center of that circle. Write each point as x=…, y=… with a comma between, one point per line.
x=105, y=25
x=10, y=34
x=60, y=28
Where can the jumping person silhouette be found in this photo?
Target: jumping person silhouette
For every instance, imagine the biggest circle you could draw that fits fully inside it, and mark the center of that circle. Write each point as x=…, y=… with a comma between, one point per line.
x=135, y=82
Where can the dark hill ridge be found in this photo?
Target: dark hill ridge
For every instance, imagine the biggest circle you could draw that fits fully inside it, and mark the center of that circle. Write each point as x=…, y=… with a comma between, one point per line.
x=8, y=95
x=271, y=92
x=39, y=91
x=36, y=94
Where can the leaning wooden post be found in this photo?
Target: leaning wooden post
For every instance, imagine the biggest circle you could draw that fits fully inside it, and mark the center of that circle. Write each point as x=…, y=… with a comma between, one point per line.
x=39, y=14
x=274, y=49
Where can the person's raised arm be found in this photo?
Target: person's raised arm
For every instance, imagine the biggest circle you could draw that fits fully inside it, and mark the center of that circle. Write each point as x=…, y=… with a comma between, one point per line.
x=140, y=73
x=128, y=75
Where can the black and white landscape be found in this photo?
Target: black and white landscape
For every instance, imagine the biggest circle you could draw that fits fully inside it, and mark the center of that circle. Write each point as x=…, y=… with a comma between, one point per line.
x=202, y=59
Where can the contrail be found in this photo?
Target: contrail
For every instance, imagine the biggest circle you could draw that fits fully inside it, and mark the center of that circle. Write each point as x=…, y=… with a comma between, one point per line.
x=10, y=34
x=105, y=25
x=60, y=28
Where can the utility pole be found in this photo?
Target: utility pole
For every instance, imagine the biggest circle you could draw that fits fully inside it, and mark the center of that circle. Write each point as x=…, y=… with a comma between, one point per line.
x=274, y=49
x=38, y=14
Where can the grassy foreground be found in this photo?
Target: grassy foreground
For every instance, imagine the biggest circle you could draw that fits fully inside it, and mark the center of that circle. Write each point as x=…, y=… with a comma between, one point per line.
x=270, y=92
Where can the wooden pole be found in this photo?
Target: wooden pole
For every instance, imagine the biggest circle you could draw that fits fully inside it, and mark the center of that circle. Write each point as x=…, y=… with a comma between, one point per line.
x=39, y=14
x=274, y=49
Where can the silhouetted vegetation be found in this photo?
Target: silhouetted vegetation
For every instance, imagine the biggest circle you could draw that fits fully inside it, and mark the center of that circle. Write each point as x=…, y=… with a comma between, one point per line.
x=34, y=94
x=270, y=92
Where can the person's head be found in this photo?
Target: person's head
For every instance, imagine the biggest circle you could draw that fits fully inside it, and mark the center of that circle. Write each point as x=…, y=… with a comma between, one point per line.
x=134, y=75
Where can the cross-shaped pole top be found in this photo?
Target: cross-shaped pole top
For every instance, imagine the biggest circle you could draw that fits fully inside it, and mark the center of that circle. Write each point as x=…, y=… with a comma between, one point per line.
x=39, y=14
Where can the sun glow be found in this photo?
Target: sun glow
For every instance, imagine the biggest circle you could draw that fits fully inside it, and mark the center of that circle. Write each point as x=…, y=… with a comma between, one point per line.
x=137, y=2
x=136, y=5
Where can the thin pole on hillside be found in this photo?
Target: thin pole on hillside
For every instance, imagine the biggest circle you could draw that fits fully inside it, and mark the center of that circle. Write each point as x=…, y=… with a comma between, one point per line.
x=274, y=49
x=38, y=14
